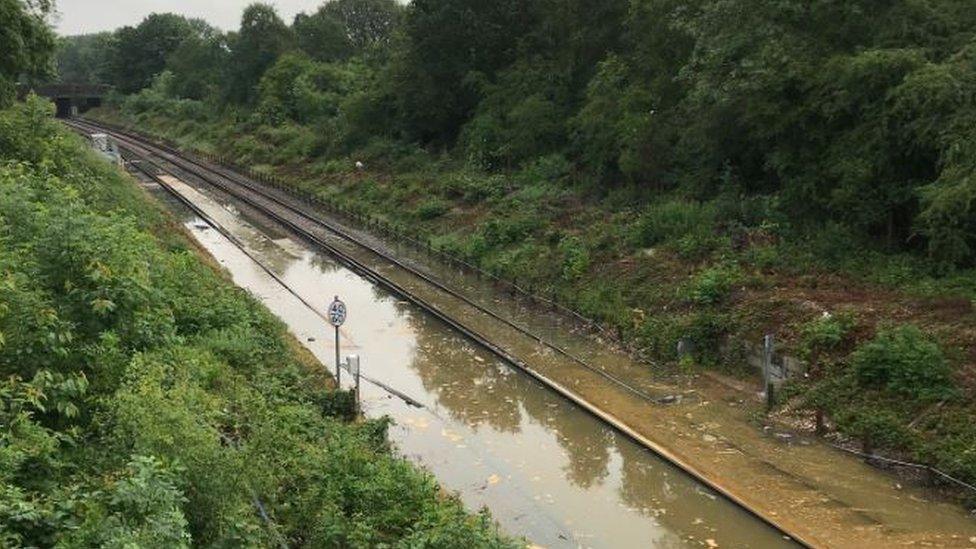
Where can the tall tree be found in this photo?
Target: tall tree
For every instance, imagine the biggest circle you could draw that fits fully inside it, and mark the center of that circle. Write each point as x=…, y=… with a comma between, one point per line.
x=262, y=38
x=199, y=64
x=450, y=41
x=578, y=34
x=321, y=36
x=139, y=53
x=84, y=59
x=367, y=23
x=27, y=41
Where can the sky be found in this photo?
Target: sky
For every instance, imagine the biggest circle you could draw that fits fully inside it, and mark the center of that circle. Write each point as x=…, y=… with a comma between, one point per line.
x=87, y=16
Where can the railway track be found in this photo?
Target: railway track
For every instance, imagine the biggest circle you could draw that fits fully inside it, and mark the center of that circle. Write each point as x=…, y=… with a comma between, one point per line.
x=309, y=225
x=251, y=188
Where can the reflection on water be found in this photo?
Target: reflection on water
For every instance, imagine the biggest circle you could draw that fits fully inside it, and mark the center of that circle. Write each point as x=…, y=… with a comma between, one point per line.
x=545, y=469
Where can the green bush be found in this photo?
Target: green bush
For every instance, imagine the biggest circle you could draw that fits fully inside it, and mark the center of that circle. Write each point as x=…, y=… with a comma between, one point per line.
x=877, y=426
x=713, y=285
x=903, y=361
x=659, y=335
x=431, y=209
x=824, y=333
x=502, y=231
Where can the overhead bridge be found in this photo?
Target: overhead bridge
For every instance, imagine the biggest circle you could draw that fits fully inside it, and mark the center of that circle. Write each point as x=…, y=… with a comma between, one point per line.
x=70, y=99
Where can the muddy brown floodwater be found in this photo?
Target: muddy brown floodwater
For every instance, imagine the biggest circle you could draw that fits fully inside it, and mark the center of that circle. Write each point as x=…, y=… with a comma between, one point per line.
x=545, y=469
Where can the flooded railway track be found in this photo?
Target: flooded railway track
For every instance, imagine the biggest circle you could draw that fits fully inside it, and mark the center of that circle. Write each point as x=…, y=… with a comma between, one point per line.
x=568, y=371
x=154, y=160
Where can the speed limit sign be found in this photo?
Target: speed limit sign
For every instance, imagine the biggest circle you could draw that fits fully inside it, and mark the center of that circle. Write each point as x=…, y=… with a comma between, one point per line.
x=337, y=312
x=337, y=316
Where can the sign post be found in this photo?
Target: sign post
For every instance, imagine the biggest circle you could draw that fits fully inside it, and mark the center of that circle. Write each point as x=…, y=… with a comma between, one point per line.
x=337, y=316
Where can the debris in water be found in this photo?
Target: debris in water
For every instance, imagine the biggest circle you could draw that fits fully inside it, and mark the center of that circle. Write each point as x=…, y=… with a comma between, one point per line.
x=494, y=479
x=711, y=543
x=451, y=435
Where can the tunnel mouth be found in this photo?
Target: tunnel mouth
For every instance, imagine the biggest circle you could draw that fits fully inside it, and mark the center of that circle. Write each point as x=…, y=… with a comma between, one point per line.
x=63, y=106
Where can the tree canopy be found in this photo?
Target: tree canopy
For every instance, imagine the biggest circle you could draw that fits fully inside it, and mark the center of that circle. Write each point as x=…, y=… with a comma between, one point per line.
x=28, y=42
x=139, y=53
x=854, y=113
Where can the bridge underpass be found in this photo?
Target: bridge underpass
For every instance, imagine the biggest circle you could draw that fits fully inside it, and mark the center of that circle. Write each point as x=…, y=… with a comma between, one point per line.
x=70, y=99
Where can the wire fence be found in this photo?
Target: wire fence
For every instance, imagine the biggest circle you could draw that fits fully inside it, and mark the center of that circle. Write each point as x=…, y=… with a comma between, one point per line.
x=882, y=460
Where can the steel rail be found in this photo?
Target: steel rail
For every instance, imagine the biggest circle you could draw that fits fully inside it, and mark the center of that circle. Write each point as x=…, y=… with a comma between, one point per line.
x=569, y=394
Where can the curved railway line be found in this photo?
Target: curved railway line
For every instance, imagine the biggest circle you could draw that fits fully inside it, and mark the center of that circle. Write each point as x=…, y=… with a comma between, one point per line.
x=285, y=210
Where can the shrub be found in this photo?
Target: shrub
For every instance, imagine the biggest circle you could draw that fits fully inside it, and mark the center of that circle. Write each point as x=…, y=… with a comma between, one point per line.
x=713, y=285
x=474, y=187
x=824, y=333
x=905, y=362
x=576, y=258
x=144, y=510
x=501, y=231
x=703, y=331
x=545, y=169
x=876, y=426
x=659, y=336
x=431, y=209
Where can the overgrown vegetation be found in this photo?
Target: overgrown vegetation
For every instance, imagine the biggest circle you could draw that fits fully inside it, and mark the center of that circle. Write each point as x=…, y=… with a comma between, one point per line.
x=693, y=171
x=147, y=402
